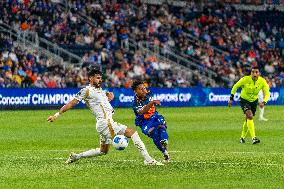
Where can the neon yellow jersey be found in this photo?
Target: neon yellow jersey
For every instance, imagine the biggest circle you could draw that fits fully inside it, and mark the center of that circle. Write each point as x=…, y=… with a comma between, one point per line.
x=251, y=88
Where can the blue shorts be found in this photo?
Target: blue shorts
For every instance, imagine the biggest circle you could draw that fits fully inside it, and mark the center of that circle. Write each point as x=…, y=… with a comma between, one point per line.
x=154, y=121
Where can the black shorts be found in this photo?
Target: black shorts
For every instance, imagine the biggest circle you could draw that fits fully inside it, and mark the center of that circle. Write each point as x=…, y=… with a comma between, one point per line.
x=247, y=105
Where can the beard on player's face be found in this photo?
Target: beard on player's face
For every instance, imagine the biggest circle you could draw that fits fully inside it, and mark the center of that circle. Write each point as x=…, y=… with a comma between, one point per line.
x=255, y=73
x=97, y=84
x=96, y=80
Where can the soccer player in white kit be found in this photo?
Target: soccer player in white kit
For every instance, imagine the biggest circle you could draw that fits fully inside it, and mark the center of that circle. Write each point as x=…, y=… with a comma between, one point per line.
x=261, y=108
x=98, y=102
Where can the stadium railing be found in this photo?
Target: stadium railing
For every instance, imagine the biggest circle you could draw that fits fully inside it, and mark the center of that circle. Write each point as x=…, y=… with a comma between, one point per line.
x=22, y=41
x=170, y=55
x=51, y=49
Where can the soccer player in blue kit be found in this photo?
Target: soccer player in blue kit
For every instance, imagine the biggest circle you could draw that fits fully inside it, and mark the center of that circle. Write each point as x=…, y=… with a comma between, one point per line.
x=147, y=118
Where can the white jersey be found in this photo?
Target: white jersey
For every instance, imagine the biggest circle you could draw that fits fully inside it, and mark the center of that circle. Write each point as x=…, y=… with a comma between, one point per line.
x=97, y=100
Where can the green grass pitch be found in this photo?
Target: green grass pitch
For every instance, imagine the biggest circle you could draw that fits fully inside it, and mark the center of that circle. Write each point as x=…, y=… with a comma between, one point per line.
x=204, y=146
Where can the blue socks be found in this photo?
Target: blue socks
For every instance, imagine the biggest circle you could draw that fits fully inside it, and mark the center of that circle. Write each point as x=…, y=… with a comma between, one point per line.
x=159, y=135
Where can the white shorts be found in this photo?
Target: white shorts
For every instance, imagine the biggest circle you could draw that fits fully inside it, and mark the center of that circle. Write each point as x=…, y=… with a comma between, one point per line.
x=107, y=129
x=260, y=96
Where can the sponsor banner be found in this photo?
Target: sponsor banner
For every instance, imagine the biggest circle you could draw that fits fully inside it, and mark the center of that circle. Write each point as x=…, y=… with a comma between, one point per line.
x=171, y=97
x=36, y=97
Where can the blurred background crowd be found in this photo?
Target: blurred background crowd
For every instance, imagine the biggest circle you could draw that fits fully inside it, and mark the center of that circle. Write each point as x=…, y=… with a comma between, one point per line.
x=216, y=37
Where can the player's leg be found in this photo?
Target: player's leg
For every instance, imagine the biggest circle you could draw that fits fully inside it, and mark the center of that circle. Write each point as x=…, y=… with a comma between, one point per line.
x=154, y=135
x=164, y=140
x=244, y=132
x=138, y=143
x=261, y=108
x=245, y=107
x=160, y=123
x=161, y=143
x=261, y=114
x=250, y=123
x=105, y=141
x=150, y=129
x=103, y=150
x=148, y=160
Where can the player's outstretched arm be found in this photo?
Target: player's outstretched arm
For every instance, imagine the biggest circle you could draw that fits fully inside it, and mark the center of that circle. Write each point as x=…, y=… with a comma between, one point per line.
x=147, y=107
x=64, y=108
x=234, y=90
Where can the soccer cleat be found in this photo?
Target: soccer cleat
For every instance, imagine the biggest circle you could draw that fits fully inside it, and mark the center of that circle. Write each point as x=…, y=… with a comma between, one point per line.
x=263, y=119
x=255, y=140
x=166, y=158
x=242, y=141
x=152, y=162
x=72, y=158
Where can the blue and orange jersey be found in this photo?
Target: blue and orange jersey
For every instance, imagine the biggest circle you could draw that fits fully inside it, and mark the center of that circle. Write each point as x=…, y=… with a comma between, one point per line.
x=138, y=104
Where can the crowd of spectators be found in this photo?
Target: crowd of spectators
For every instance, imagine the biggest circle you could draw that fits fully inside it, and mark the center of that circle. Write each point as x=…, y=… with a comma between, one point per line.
x=229, y=41
x=216, y=37
x=26, y=67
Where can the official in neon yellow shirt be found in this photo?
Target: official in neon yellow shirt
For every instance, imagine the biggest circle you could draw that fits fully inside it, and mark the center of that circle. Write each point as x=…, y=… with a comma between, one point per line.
x=251, y=85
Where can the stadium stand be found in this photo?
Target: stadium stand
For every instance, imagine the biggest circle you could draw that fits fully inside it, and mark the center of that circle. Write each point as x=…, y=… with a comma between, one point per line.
x=217, y=42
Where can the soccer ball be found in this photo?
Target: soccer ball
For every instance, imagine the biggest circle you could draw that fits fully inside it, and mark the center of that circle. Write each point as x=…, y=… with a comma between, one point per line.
x=120, y=142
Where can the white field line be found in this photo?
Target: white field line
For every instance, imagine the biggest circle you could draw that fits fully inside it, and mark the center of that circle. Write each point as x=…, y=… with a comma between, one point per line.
x=175, y=161
x=226, y=152
x=53, y=150
x=171, y=151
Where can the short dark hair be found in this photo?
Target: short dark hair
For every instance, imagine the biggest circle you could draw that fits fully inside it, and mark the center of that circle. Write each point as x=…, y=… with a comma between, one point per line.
x=136, y=83
x=93, y=72
x=254, y=68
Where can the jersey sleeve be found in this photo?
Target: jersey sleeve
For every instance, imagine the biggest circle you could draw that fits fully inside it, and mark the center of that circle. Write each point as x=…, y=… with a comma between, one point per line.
x=82, y=94
x=136, y=107
x=265, y=91
x=238, y=85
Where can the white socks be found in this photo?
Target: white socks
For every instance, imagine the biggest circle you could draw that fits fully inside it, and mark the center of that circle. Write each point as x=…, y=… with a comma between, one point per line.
x=261, y=112
x=166, y=153
x=90, y=153
x=140, y=146
x=136, y=140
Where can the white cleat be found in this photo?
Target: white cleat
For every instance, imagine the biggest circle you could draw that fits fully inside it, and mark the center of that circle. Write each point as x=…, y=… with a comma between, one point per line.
x=263, y=119
x=72, y=158
x=152, y=162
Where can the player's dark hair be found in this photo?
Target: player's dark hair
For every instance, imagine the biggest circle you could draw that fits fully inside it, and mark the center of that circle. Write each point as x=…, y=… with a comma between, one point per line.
x=136, y=83
x=254, y=68
x=93, y=72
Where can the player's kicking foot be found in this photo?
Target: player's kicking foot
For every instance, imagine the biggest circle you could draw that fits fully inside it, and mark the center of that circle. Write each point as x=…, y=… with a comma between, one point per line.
x=255, y=140
x=152, y=162
x=242, y=141
x=263, y=119
x=72, y=158
x=167, y=158
x=166, y=154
